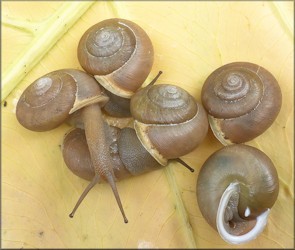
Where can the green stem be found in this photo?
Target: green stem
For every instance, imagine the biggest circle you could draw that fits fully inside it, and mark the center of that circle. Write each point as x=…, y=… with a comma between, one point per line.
x=180, y=206
x=23, y=25
x=45, y=37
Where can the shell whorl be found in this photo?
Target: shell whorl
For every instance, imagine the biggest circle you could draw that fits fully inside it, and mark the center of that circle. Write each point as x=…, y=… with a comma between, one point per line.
x=168, y=121
x=163, y=104
x=232, y=90
x=242, y=100
x=106, y=40
x=128, y=156
x=251, y=169
x=76, y=154
x=48, y=101
x=118, y=53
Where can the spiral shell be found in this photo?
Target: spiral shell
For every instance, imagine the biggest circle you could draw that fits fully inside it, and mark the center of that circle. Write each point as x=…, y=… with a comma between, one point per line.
x=168, y=121
x=128, y=156
x=76, y=154
x=118, y=53
x=242, y=99
x=256, y=178
x=49, y=100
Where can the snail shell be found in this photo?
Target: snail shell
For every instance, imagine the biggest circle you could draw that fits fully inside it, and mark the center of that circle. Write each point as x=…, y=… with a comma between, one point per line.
x=236, y=187
x=118, y=53
x=117, y=106
x=48, y=101
x=242, y=99
x=168, y=121
x=129, y=157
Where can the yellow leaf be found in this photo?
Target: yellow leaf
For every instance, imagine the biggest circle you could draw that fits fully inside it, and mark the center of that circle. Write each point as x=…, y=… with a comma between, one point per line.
x=190, y=39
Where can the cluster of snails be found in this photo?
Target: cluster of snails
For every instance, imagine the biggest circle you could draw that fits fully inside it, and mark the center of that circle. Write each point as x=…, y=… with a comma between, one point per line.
x=236, y=186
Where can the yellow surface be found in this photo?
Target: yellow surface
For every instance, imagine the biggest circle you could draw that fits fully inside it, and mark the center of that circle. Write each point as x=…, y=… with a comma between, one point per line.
x=190, y=39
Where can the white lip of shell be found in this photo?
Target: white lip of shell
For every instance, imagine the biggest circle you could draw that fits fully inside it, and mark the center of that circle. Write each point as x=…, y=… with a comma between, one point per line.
x=140, y=132
x=213, y=122
x=106, y=81
x=261, y=220
x=247, y=212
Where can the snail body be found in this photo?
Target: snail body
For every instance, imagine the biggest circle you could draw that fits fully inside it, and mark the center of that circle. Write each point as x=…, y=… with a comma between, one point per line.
x=117, y=106
x=168, y=121
x=166, y=117
x=50, y=100
x=236, y=188
x=128, y=155
x=242, y=100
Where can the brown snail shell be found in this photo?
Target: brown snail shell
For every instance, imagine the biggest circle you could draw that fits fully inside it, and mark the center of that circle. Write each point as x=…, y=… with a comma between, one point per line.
x=76, y=154
x=168, y=121
x=129, y=157
x=119, y=106
x=242, y=100
x=118, y=53
x=249, y=180
x=48, y=101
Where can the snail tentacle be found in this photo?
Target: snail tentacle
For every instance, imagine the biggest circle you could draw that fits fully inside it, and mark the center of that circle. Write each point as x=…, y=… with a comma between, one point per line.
x=94, y=181
x=183, y=163
x=99, y=153
x=50, y=100
x=222, y=223
x=155, y=79
x=111, y=181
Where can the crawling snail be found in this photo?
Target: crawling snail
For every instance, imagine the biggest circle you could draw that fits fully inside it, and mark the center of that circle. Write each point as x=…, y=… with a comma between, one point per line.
x=236, y=188
x=119, y=54
x=123, y=145
x=169, y=123
x=242, y=99
x=50, y=100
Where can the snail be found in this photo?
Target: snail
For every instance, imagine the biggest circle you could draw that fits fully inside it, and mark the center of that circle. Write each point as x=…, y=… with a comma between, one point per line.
x=169, y=123
x=236, y=188
x=50, y=100
x=118, y=106
x=129, y=156
x=119, y=54
x=243, y=100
